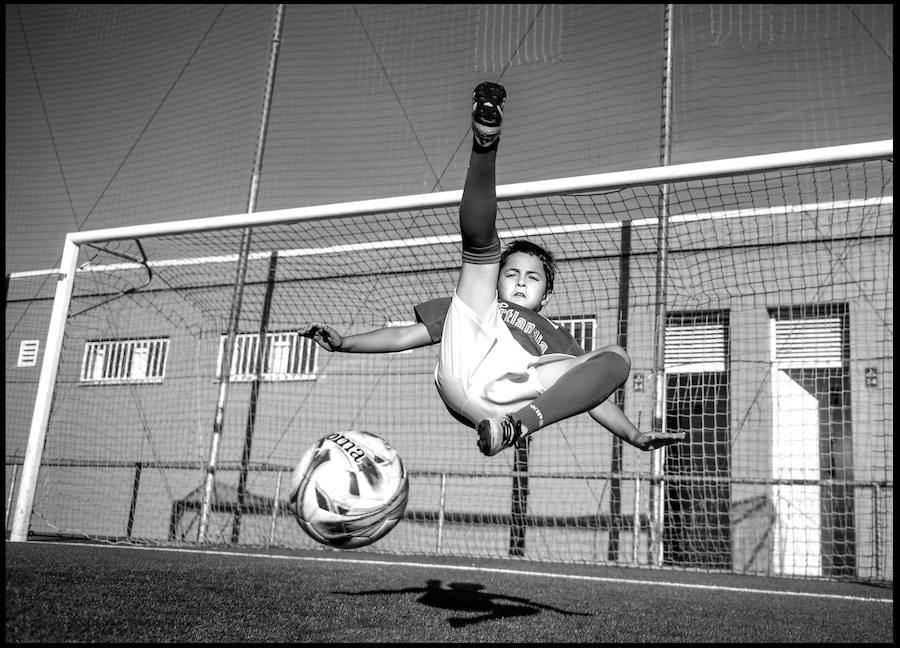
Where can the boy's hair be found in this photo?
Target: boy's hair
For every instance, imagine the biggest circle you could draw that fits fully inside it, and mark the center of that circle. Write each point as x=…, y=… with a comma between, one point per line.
x=535, y=250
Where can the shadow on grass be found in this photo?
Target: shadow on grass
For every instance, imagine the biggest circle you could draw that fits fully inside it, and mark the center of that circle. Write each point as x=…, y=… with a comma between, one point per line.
x=470, y=597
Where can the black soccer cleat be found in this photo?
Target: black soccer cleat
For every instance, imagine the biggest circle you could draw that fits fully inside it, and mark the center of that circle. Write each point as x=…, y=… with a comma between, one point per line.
x=495, y=434
x=487, y=112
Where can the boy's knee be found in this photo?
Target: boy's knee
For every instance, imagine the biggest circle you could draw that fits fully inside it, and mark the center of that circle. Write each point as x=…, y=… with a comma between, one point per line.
x=622, y=353
x=618, y=352
x=481, y=254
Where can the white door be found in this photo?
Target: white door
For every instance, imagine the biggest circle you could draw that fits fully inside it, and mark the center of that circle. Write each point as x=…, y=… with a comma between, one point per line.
x=795, y=455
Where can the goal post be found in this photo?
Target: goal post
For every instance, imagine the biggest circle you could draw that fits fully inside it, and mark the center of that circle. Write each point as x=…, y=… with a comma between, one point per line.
x=796, y=241
x=47, y=382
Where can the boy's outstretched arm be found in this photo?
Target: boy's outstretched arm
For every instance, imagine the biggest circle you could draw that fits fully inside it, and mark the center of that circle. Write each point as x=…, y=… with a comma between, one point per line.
x=384, y=340
x=610, y=416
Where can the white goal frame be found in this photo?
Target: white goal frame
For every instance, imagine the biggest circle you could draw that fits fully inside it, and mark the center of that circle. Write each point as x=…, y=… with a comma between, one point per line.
x=67, y=270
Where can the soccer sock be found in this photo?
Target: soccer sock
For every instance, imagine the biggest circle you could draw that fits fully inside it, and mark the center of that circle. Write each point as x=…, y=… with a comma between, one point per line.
x=578, y=391
x=478, y=208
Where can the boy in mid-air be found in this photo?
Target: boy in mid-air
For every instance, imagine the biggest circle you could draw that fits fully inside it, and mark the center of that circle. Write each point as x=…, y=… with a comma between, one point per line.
x=504, y=368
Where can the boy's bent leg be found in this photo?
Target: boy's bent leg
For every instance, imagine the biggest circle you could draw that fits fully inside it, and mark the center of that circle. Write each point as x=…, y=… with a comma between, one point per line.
x=578, y=385
x=579, y=390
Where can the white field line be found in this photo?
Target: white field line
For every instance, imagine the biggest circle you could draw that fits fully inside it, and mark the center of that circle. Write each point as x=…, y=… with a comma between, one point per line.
x=496, y=570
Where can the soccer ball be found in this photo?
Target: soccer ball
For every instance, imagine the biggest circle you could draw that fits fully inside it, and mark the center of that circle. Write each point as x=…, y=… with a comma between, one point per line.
x=349, y=489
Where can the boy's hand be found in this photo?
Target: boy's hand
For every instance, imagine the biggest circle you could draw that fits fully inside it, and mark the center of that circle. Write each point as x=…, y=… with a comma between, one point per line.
x=654, y=440
x=325, y=336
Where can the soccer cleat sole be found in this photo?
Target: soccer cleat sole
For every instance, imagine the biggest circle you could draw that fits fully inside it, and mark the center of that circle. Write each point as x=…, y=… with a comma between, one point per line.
x=485, y=444
x=488, y=100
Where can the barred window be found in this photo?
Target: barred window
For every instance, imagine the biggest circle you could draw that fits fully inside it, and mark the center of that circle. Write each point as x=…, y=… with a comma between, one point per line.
x=582, y=329
x=286, y=356
x=125, y=361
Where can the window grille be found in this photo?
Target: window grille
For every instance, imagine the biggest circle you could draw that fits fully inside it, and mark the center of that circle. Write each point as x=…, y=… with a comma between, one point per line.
x=582, y=329
x=286, y=356
x=125, y=361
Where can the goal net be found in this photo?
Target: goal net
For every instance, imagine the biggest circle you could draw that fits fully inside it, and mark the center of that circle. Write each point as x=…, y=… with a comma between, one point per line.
x=772, y=277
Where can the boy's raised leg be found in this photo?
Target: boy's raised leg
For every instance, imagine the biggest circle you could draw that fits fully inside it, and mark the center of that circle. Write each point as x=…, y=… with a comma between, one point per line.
x=477, y=285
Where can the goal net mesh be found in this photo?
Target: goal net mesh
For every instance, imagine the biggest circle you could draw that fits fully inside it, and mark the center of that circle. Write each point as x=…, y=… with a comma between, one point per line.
x=778, y=367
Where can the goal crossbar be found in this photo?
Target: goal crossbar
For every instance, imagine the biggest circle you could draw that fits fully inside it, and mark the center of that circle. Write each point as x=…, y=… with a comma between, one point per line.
x=593, y=182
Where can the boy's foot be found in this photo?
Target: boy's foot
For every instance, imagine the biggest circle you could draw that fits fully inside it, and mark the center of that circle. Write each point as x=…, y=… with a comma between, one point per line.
x=487, y=112
x=495, y=434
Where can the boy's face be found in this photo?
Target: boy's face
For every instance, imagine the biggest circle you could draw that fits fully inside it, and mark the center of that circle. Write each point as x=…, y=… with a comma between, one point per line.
x=523, y=281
